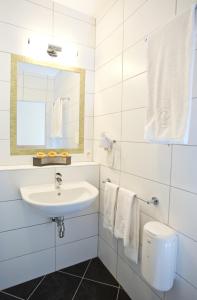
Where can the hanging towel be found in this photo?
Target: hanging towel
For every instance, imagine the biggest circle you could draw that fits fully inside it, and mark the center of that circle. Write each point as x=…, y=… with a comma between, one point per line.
x=170, y=75
x=110, y=199
x=127, y=223
x=57, y=119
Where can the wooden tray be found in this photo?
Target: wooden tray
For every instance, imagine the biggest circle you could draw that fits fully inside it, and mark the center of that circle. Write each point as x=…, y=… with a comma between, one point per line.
x=49, y=161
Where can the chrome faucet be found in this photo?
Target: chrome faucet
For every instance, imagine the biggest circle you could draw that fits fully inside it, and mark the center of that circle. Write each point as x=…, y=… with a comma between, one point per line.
x=58, y=180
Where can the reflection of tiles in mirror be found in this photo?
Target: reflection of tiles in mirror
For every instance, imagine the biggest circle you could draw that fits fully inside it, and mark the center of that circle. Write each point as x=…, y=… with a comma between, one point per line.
x=41, y=85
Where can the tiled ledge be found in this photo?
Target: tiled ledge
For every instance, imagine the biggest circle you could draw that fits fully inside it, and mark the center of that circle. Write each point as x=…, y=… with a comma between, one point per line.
x=27, y=167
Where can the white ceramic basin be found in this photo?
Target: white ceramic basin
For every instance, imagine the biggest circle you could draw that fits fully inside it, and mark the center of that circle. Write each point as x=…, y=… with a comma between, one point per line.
x=71, y=197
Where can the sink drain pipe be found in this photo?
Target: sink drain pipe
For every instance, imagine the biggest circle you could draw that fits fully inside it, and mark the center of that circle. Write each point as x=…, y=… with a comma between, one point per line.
x=60, y=226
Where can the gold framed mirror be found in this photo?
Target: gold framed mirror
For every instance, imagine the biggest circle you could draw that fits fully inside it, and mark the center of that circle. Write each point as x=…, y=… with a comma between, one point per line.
x=47, y=107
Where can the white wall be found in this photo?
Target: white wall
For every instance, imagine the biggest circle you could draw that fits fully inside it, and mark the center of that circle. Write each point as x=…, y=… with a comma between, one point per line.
x=29, y=243
x=23, y=19
x=168, y=172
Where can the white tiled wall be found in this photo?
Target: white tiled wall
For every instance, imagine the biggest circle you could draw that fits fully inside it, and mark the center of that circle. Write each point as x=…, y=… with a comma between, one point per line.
x=168, y=172
x=23, y=19
x=29, y=244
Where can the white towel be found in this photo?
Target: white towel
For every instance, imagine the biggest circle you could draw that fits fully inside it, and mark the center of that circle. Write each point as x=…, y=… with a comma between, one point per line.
x=57, y=119
x=110, y=199
x=170, y=74
x=127, y=223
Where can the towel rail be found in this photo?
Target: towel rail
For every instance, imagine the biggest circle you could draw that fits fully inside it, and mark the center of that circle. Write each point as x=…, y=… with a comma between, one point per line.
x=154, y=200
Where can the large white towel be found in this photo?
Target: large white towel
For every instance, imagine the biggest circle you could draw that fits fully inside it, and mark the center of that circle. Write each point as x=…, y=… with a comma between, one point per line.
x=110, y=199
x=127, y=223
x=57, y=119
x=170, y=74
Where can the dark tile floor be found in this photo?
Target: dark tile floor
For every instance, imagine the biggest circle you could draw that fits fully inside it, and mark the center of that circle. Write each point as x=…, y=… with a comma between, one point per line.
x=89, y=280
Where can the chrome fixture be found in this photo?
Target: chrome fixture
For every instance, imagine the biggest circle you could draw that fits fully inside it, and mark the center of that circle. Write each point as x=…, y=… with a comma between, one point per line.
x=154, y=200
x=58, y=180
x=53, y=50
x=107, y=180
x=60, y=226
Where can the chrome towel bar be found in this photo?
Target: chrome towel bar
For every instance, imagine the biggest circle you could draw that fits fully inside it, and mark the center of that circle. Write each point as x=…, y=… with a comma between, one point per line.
x=154, y=200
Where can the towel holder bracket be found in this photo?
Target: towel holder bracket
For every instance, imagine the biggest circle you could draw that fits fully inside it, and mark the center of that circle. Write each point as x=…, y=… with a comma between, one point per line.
x=154, y=201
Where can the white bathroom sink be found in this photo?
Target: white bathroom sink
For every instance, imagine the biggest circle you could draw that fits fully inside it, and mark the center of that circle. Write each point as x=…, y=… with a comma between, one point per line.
x=53, y=202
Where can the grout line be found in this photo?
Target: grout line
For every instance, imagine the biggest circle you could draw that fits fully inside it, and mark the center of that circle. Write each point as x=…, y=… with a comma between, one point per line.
x=170, y=189
x=66, y=15
x=99, y=19
x=176, y=7
x=118, y=293
x=36, y=287
x=67, y=273
x=27, y=254
x=81, y=279
x=119, y=82
x=100, y=282
x=13, y=296
x=118, y=112
x=135, y=11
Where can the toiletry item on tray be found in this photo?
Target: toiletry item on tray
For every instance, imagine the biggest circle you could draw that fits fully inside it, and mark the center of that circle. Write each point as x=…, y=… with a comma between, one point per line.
x=51, y=158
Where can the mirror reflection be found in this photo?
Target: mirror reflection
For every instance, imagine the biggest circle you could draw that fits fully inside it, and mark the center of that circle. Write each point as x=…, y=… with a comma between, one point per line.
x=49, y=107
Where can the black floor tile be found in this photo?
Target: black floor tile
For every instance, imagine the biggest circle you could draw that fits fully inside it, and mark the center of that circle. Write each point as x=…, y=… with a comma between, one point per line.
x=123, y=295
x=90, y=290
x=98, y=272
x=78, y=269
x=6, y=297
x=24, y=290
x=56, y=286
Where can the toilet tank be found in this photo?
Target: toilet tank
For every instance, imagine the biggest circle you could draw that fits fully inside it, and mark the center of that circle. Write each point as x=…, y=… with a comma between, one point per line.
x=159, y=252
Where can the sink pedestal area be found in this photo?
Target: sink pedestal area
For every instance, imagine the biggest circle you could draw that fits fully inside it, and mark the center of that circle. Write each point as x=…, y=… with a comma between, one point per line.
x=56, y=202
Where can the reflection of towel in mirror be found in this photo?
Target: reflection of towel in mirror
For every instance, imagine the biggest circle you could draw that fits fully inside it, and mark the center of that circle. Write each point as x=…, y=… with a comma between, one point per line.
x=56, y=119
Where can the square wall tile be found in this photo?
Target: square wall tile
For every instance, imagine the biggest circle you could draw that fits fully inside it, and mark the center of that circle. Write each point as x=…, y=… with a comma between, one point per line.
x=67, y=28
x=145, y=190
x=135, y=92
x=133, y=123
x=144, y=21
x=135, y=60
x=106, y=235
x=110, y=47
x=150, y=161
x=25, y=216
x=30, y=266
x=24, y=241
x=186, y=259
x=5, y=125
x=23, y=15
x=111, y=20
x=181, y=290
x=133, y=284
x=108, y=256
x=130, y=7
x=74, y=253
x=108, y=75
x=108, y=124
x=108, y=101
x=184, y=168
x=183, y=207
x=5, y=95
x=5, y=65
